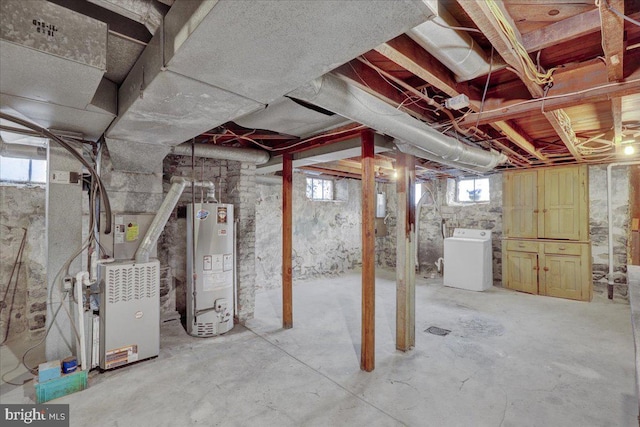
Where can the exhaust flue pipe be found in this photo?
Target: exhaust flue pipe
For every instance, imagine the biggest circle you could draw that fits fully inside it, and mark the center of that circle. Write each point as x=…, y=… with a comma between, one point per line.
x=178, y=184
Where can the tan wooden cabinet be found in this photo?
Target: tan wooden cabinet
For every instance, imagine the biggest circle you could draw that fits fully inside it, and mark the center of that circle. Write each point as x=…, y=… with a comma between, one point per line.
x=547, y=203
x=546, y=248
x=552, y=267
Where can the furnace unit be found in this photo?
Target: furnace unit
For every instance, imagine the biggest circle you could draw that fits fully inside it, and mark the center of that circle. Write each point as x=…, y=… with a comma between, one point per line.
x=210, y=255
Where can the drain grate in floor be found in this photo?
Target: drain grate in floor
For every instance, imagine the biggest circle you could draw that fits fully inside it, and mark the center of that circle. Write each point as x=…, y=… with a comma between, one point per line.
x=437, y=331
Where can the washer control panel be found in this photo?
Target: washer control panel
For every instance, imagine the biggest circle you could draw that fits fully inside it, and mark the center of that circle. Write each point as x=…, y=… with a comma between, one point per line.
x=472, y=233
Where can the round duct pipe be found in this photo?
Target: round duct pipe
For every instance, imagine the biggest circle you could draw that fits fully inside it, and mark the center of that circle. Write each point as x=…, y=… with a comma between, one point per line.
x=20, y=151
x=210, y=151
x=415, y=137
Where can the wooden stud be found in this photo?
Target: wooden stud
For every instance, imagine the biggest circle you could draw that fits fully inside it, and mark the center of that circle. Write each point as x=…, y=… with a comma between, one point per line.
x=367, y=351
x=287, y=241
x=405, y=254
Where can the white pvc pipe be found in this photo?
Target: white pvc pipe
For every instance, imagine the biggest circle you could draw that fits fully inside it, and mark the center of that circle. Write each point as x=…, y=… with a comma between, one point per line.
x=81, y=278
x=610, y=220
x=178, y=185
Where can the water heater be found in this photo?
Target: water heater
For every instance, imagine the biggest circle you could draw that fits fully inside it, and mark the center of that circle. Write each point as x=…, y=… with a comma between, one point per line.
x=210, y=269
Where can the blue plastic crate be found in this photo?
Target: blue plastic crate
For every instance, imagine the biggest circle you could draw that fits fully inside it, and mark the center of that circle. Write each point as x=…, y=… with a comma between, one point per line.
x=61, y=386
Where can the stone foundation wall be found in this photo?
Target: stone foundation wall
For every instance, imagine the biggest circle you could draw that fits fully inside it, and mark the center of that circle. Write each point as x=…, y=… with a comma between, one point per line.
x=599, y=227
x=438, y=210
x=326, y=234
x=22, y=206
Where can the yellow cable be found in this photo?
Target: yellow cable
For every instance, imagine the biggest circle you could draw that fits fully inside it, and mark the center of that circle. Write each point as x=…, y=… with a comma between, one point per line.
x=528, y=67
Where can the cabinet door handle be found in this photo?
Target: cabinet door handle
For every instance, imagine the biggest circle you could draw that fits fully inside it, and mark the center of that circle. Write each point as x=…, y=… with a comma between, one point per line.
x=535, y=267
x=546, y=269
x=561, y=248
x=536, y=210
x=544, y=210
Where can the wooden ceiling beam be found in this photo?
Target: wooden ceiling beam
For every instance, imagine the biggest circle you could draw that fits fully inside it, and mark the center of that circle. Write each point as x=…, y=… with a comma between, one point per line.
x=411, y=56
x=562, y=31
x=408, y=54
x=613, y=46
x=587, y=95
x=480, y=12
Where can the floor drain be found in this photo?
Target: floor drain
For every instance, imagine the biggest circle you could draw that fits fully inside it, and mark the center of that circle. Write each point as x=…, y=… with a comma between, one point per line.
x=437, y=331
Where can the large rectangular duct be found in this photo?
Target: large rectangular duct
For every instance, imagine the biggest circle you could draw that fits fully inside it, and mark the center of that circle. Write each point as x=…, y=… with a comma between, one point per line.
x=200, y=70
x=216, y=42
x=52, y=62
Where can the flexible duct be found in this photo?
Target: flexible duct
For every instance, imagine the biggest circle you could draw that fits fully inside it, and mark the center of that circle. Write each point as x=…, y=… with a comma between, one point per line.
x=210, y=151
x=455, y=49
x=20, y=151
x=610, y=220
x=414, y=137
x=178, y=185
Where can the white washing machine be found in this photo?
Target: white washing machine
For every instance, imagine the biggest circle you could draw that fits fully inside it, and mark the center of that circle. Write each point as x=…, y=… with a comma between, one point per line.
x=468, y=260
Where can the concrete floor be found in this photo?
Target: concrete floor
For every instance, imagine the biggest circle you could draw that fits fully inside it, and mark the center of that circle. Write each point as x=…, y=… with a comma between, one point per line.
x=511, y=359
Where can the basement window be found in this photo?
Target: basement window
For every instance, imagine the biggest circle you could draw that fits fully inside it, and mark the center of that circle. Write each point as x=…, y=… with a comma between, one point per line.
x=319, y=189
x=472, y=190
x=23, y=171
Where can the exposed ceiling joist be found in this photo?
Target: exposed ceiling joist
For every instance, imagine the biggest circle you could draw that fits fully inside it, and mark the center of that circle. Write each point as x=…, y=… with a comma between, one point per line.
x=406, y=53
x=613, y=46
x=524, y=109
x=562, y=31
x=480, y=12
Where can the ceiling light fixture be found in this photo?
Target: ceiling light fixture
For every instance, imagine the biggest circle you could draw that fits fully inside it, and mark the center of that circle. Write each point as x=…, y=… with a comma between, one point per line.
x=629, y=150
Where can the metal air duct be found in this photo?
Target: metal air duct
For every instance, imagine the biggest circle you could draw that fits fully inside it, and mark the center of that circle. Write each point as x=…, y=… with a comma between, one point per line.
x=22, y=151
x=147, y=12
x=455, y=49
x=193, y=76
x=236, y=154
x=415, y=137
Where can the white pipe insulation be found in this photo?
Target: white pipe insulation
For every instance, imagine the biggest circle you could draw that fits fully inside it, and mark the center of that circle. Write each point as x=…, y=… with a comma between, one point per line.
x=178, y=185
x=412, y=136
x=610, y=220
x=210, y=151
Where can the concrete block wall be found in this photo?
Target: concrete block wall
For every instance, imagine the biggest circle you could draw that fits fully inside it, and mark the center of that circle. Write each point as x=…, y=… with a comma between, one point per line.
x=23, y=207
x=326, y=234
